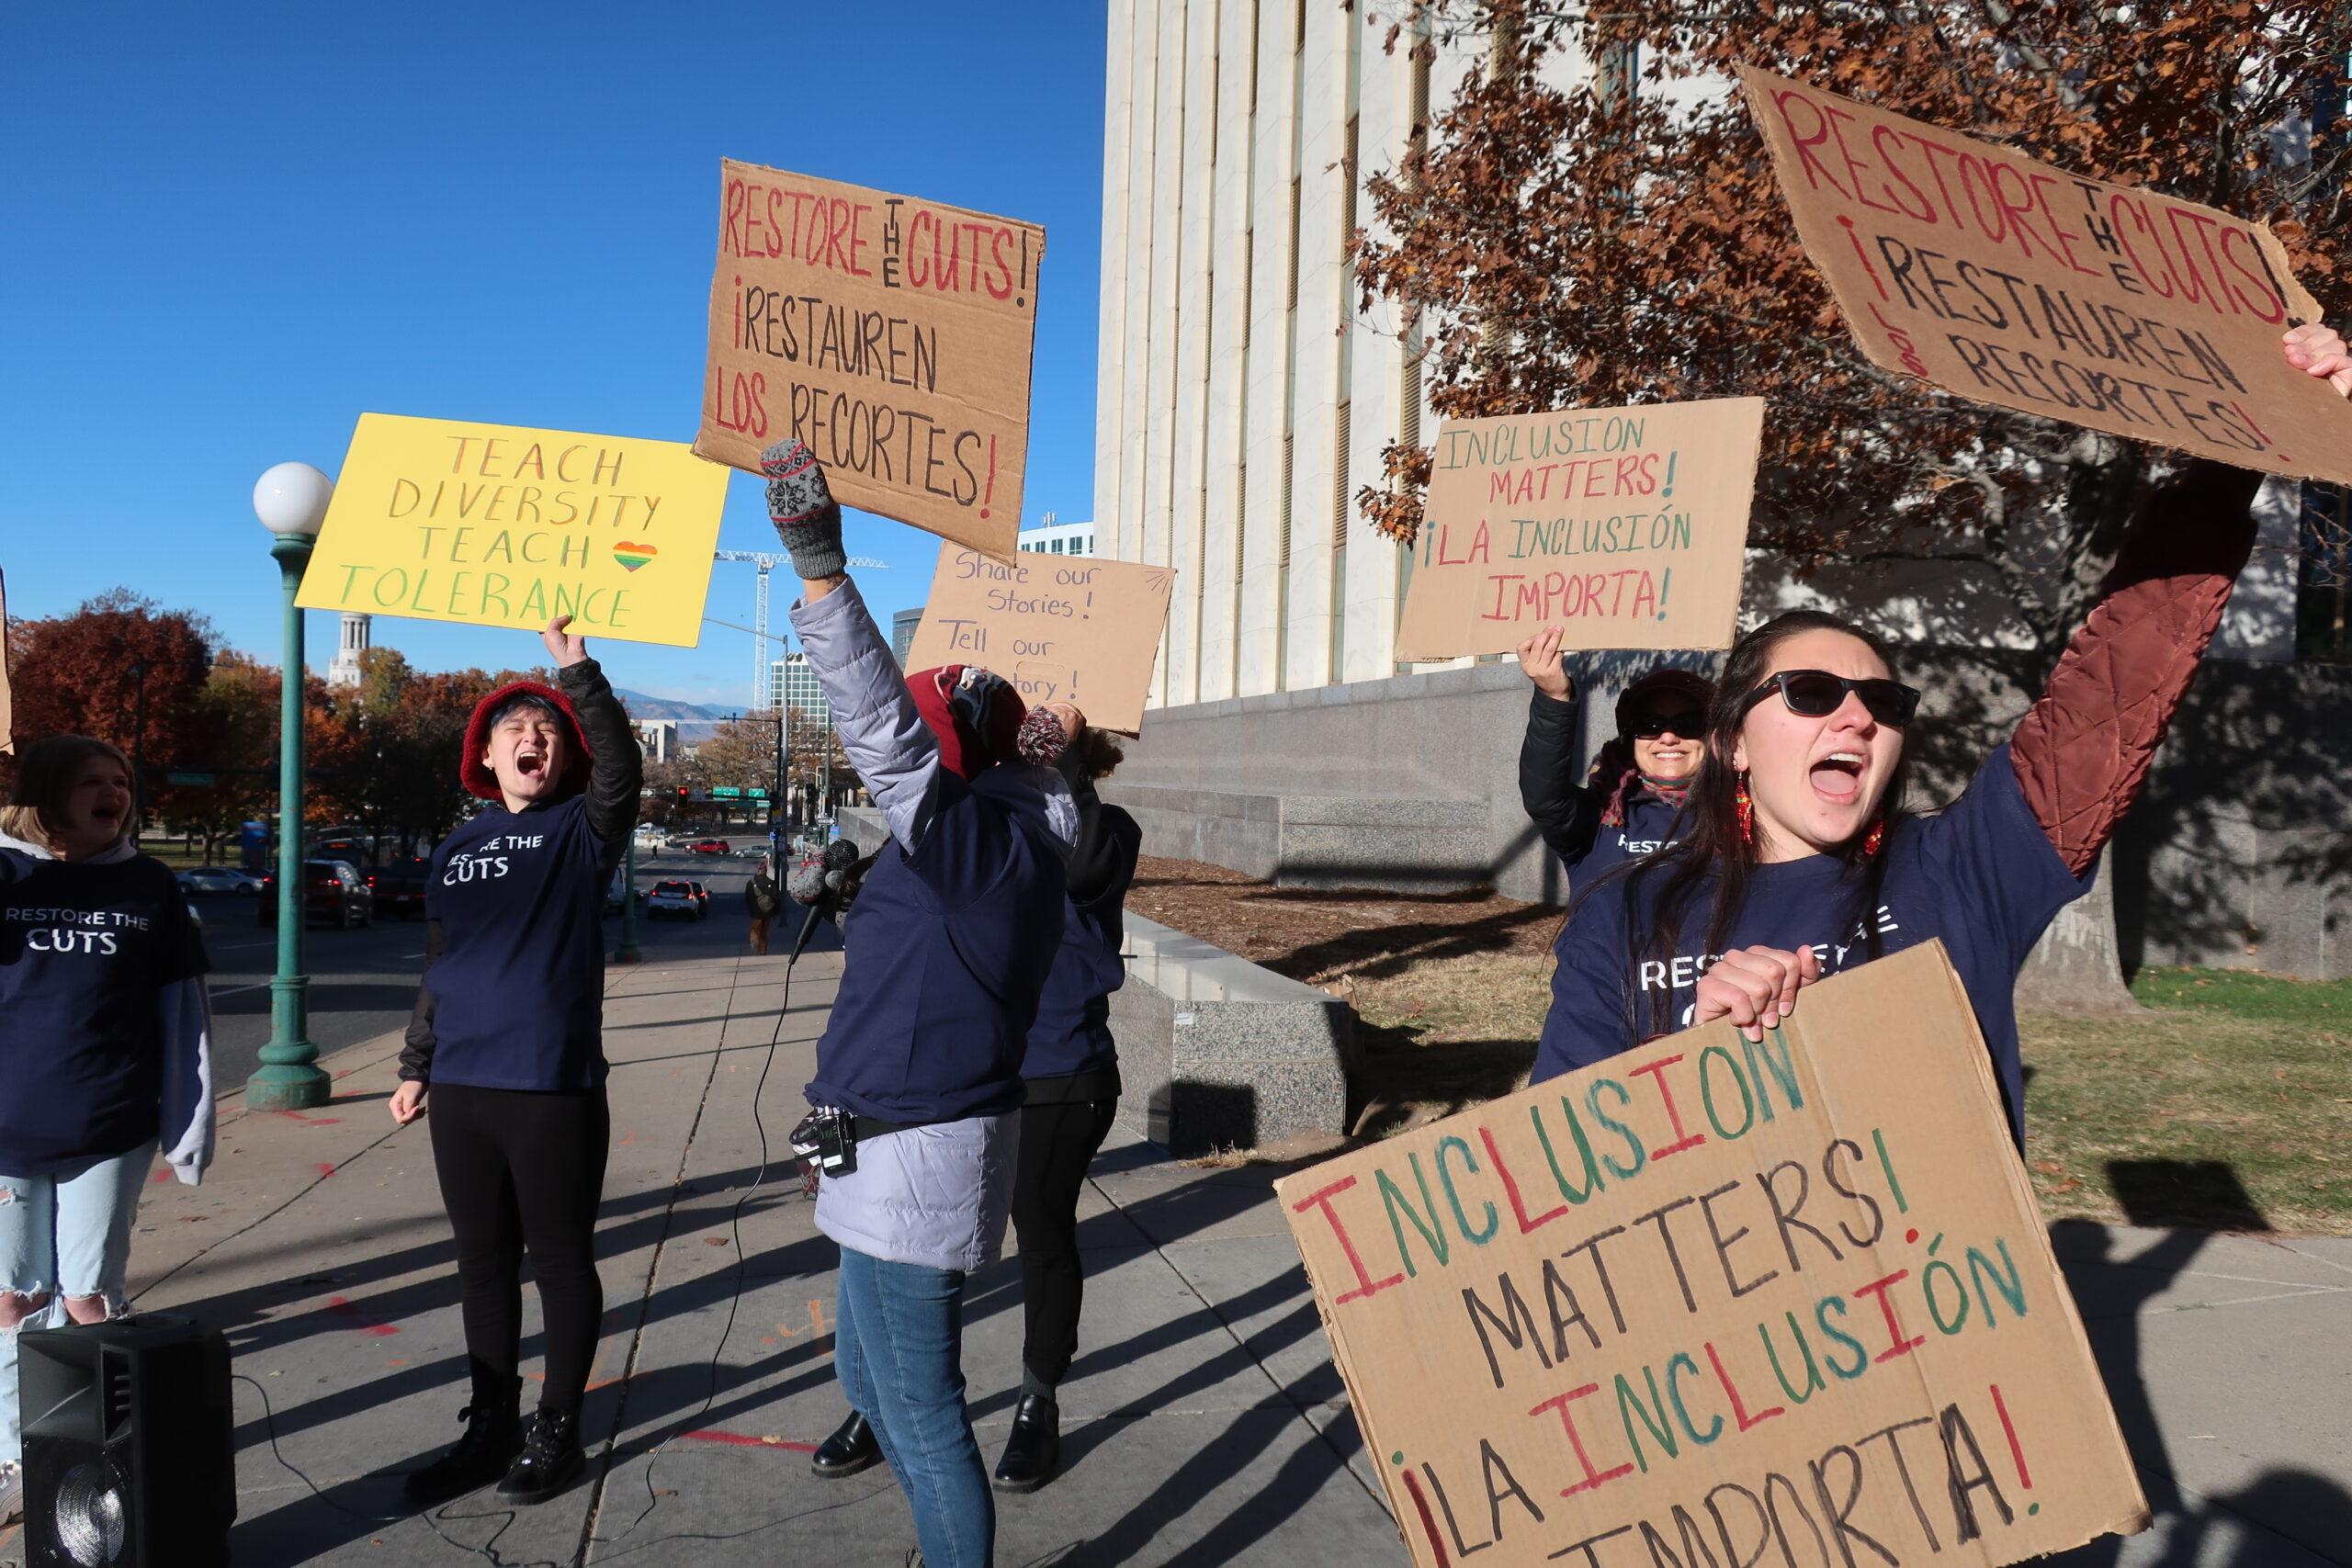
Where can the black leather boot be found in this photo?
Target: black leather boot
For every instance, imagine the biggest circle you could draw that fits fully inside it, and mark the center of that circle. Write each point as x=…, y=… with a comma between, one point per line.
x=850, y=1448
x=551, y=1462
x=494, y=1437
x=1034, y=1452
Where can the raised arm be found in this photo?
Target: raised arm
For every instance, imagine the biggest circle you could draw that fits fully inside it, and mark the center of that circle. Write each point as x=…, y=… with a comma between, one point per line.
x=895, y=756
x=1565, y=813
x=616, y=765
x=894, y=752
x=2082, y=752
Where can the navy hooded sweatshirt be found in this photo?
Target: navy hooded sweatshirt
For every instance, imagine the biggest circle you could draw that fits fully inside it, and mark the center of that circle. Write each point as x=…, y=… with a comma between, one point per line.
x=1071, y=1056
x=513, y=995
x=952, y=938
x=1981, y=875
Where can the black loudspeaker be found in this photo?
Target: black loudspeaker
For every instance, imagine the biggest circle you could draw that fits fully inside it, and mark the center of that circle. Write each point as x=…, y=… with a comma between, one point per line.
x=129, y=1457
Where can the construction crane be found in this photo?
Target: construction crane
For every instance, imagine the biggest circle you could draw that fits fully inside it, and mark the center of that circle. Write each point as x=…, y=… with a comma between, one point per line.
x=765, y=561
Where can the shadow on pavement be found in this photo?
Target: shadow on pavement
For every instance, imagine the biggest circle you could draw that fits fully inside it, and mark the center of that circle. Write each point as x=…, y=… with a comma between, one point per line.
x=2228, y=1529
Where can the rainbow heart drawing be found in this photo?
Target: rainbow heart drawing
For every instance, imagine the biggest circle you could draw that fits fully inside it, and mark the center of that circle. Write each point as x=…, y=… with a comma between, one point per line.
x=632, y=556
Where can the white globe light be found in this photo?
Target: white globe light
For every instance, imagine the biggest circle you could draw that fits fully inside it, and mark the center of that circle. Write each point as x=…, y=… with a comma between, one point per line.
x=292, y=500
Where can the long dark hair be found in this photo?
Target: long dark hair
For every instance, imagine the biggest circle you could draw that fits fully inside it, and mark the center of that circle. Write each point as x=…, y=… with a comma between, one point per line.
x=1708, y=845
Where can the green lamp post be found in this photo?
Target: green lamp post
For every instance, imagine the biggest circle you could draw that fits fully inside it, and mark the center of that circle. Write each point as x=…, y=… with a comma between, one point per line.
x=628, y=951
x=291, y=501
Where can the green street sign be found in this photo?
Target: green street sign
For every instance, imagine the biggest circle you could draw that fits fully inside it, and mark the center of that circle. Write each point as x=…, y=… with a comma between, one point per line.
x=759, y=794
x=728, y=793
x=191, y=781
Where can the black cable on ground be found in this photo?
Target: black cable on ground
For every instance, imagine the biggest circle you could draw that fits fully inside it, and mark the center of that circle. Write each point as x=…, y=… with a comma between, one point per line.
x=735, y=1299
x=488, y=1551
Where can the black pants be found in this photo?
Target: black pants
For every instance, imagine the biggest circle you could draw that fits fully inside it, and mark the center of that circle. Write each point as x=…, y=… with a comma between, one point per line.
x=521, y=1170
x=1058, y=1142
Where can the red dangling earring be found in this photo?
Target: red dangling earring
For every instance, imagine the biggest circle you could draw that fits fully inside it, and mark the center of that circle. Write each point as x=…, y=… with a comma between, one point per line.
x=1875, y=838
x=1746, y=808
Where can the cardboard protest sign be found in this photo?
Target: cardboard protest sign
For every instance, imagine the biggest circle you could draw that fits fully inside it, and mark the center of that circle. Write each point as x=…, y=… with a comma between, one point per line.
x=2016, y=284
x=891, y=334
x=498, y=525
x=1060, y=628
x=1713, y=1302
x=1627, y=527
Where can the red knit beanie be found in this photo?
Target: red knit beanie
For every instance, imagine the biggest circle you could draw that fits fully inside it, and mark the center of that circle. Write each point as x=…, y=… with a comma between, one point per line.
x=974, y=713
x=477, y=778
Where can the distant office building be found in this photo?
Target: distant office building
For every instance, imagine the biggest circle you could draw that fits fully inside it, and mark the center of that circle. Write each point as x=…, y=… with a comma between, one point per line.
x=1052, y=538
x=903, y=627
x=791, y=684
x=344, y=670
x=658, y=737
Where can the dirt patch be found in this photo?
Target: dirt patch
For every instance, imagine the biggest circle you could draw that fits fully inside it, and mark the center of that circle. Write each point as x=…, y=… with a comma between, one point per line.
x=1449, y=989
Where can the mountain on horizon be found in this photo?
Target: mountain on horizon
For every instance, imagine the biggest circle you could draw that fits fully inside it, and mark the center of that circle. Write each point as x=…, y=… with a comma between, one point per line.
x=642, y=704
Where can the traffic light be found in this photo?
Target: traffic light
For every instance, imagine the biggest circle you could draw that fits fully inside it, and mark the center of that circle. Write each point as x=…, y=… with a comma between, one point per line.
x=681, y=794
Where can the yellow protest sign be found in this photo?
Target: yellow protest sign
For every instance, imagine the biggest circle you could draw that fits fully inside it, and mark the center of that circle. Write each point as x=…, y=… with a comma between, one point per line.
x=501, y=526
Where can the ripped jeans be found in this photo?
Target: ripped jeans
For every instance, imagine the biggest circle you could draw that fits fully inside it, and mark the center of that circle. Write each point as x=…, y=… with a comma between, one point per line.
x=64, y=1252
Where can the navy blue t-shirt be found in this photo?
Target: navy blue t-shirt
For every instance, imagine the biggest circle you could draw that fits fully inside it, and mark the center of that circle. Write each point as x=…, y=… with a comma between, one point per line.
x=944, y=955
x=1072, y=1034
x=1648, y=826
x=85, y=953
x=518, y=987
x=1981, y=875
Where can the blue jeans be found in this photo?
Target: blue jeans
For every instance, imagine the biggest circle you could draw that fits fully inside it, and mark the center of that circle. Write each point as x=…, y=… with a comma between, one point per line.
x=898, y=1348
x=67, y=1234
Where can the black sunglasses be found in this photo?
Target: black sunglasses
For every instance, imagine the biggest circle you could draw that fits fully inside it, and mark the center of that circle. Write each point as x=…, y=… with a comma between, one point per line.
x=1816, y=693
x=1684, y=722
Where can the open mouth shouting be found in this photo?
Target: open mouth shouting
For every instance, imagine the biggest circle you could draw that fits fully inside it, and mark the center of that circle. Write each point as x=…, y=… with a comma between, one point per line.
x=1837, y=777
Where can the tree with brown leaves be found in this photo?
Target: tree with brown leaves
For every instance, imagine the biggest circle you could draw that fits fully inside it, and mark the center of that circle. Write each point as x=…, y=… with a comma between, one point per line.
x=1623, y=240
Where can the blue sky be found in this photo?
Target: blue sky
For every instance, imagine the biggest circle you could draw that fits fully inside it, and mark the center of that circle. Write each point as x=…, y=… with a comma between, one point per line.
x=232, y=229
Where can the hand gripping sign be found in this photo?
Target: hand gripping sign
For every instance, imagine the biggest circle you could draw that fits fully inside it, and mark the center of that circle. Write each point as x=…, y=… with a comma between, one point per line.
x=1713, y=1302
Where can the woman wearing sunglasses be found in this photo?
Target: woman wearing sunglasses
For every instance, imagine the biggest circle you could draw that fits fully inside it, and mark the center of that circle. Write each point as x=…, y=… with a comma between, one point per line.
x=1797, y=859
x=1628, y=805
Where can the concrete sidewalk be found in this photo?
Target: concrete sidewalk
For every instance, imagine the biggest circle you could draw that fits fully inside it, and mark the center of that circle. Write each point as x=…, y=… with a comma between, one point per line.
x=1203, y=1422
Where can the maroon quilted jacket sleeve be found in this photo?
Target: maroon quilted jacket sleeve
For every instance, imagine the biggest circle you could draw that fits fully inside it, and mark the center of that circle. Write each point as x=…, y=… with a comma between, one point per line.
x=2083, y=750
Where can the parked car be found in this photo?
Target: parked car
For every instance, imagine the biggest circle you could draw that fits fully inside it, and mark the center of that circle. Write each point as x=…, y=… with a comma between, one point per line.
x=710, y=846
x=675, y=899
x=399, y=886
x=332, y=891
x=217, y=879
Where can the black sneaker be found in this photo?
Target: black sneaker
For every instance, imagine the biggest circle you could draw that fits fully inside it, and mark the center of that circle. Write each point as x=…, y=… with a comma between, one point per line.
x=852, y=1448
x=1034, y=1452
x=552, y=1459
x=494, y=1437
